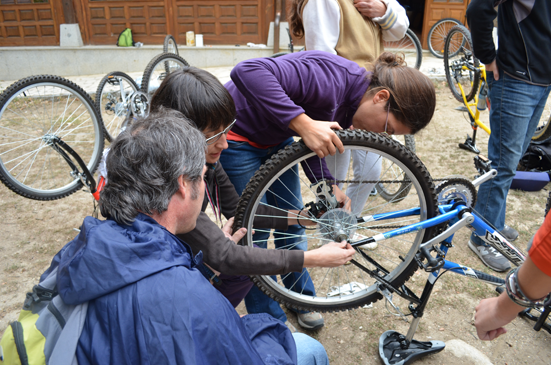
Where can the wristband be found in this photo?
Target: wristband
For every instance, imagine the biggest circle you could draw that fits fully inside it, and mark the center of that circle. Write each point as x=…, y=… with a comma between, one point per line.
x=515, y=293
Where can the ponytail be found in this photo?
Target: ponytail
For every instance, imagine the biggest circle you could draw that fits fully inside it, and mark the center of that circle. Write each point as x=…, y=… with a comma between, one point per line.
x=295, y=18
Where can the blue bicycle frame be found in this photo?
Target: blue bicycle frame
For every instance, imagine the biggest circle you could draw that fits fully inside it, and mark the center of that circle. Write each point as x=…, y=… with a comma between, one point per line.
x=459, y=216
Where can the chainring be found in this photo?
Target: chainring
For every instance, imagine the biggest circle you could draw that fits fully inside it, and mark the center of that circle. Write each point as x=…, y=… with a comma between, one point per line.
x=456, y=187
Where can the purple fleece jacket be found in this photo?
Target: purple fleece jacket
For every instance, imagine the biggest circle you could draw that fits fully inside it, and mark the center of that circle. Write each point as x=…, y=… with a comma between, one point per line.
x=270, y=92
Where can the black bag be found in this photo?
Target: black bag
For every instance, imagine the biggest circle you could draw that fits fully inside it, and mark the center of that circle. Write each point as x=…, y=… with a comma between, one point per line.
x=537, y=157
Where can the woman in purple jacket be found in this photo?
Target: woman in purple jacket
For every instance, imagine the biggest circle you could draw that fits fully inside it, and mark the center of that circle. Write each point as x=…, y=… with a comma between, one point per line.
x=311, y=94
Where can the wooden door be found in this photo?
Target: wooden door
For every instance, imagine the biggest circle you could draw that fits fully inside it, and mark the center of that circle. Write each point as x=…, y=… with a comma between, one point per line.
x=106, y=19
x=439, y=9
x=30, y=22
x=222, y=21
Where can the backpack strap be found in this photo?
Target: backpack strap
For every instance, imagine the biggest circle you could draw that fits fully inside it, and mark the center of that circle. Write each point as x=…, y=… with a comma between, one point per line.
x=64, y=352
x=17, y=330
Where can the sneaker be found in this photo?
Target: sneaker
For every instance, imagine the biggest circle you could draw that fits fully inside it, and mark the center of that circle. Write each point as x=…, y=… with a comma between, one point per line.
x=368, y=246
x=310, y=320
x=490, y=257
x=510, y=233
x=290, y=326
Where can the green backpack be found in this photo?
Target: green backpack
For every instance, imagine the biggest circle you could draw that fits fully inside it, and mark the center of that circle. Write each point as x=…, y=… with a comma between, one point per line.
x=47, y=331
x=125, y=38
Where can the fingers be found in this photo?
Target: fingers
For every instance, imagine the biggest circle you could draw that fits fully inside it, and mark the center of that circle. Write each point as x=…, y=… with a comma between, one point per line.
x=237, y=236
x=347, y=247
x=335, y=126
x=491, y=335
x=227, y=227
x=348, y=204
x=337, y=143
x=320, y=137
x=331, y=150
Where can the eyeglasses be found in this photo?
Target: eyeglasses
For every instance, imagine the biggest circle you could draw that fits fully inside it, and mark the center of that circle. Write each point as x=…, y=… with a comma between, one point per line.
x=386, y=123
x=216, y=137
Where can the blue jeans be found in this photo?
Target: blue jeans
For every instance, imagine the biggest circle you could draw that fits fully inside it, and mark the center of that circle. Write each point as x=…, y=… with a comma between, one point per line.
x=241, y=161
x=516, y=108
x=309, y=350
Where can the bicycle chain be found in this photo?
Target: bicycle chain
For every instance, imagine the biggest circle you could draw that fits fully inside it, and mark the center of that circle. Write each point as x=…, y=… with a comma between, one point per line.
x=384, y=182
x=377, y=181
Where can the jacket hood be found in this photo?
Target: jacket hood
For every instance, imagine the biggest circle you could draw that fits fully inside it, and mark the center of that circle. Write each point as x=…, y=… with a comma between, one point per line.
x=106, y=256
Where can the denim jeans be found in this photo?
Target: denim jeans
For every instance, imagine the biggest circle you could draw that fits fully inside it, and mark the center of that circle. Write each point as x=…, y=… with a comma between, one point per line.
x=241, y=161
x=516, y=108
x=309, y=350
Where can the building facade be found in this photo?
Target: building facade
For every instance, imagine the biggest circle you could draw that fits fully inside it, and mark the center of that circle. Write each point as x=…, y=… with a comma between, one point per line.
x=230, y=22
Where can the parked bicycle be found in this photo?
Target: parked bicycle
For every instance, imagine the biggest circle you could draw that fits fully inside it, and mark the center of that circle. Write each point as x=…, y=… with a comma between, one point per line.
x=467, y=81
x=410, y=46
x=39, y=117
x=117, y=99
x=436, y=38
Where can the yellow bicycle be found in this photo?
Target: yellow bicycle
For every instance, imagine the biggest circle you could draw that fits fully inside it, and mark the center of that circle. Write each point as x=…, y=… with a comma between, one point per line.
x=467, y=81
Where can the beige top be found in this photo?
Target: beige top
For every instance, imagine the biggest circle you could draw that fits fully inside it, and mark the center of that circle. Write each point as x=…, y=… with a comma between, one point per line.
x=359, y=39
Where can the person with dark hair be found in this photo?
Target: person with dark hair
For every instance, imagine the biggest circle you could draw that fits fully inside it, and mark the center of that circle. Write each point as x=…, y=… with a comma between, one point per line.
x=147, y=301
x=310, y=94
x=519, y=77
x=199, y=96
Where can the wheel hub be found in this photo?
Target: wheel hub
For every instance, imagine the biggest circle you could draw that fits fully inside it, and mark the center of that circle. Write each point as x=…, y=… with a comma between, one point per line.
x=336, y=225
x=121, y=109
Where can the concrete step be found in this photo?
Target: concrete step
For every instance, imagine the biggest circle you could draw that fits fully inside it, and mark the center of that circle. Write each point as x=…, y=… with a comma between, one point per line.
x=20, y=62
x=87, y=65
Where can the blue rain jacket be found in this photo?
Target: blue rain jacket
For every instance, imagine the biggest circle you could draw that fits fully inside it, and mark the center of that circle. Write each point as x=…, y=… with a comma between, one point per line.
x=148, y=304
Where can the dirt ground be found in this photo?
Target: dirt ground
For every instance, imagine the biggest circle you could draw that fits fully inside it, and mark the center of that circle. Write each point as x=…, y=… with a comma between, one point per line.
x=33, y=231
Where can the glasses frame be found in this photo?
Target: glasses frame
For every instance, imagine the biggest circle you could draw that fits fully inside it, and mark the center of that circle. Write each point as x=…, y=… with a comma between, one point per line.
x=386, y=123
x=216, y=137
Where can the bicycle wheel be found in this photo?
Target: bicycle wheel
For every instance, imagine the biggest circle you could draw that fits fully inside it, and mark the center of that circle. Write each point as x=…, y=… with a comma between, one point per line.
x=34, y=112
x=409, y=46
x=156, y=71
x=543, y=131
x=437, y=35
x=396, y=192
x=113, y=101
x=347, y=286
x=460, y=63
x=170, y=46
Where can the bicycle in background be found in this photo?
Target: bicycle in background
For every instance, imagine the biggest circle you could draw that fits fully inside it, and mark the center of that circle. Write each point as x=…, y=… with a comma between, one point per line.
x=467, y=81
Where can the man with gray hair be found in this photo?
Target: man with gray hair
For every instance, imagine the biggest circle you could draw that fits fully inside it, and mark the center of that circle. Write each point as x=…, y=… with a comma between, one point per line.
x=147, y=301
